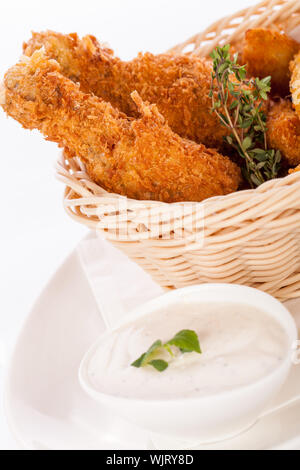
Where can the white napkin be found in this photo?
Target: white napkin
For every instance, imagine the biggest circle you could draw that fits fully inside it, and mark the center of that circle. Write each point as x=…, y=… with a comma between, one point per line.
x=118, y=284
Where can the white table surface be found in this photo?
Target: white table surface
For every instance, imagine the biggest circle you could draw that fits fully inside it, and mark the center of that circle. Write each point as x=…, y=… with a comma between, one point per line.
x=36, y=235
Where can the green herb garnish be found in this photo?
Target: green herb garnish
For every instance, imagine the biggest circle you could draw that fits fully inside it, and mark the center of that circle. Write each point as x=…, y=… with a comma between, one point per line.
x=145, y=358
x=238, y=104
x=159, y=364
x=185, y=340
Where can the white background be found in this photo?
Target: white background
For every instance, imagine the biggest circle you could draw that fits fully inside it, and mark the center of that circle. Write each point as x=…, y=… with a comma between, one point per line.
x=36, y=234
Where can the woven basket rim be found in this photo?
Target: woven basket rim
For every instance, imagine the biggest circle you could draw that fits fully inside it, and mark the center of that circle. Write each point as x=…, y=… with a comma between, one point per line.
x=280, y=14
x=267, y=187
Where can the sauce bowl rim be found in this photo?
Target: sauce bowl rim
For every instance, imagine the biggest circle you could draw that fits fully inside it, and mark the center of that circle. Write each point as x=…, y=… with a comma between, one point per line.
x=150, y=306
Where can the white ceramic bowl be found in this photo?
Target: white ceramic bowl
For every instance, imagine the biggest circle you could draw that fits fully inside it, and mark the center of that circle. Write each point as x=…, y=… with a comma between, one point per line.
x=208, y=418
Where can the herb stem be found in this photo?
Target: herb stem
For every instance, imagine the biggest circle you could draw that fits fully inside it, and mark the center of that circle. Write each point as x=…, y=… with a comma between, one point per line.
x=239, y=109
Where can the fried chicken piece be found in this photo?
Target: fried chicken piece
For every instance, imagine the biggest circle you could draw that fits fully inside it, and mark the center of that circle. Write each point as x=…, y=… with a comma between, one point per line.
x=295, y=82
x=267, y=52
x=283, y=133
x=178, y=85
x=140, y=158
x=294, y=170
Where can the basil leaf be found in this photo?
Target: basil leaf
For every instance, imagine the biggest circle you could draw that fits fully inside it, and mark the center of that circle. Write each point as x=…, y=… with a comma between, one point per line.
x=144, y=358
x=186, y=341
x=138, y=362
x=159, y=364
x=157, y=344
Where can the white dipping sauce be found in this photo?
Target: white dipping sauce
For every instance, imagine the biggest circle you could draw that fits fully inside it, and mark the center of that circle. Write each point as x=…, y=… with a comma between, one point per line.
x=240, y=345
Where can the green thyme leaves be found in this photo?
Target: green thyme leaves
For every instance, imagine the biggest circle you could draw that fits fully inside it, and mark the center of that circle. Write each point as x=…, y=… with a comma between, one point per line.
x=238, y=103
x=185, y=341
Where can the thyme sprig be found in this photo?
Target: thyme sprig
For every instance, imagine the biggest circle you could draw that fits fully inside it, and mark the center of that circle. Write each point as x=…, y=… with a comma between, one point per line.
x=238, y=102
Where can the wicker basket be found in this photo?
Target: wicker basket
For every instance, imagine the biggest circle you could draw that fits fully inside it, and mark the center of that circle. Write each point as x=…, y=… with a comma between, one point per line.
x=249, y=237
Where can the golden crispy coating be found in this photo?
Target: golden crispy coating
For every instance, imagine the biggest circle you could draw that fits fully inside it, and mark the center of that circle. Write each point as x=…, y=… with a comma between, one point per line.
x=284, y=131
x=268, y=52
x=295, y=82
x=294, y=170
x=140, y=158
x=178, y=85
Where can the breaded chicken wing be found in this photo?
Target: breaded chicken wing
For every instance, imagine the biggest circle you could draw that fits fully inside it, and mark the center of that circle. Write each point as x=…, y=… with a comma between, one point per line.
x=140, y=158
x=284, y=131
x=267, y=52
x=178, y=85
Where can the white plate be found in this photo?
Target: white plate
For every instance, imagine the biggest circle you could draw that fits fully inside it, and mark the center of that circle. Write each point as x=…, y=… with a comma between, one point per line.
x=47, y=409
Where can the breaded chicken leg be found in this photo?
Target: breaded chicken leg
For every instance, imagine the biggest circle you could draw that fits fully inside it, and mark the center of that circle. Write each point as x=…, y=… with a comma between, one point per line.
x=268, y=52
x=139, y=158
x=178, y=85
